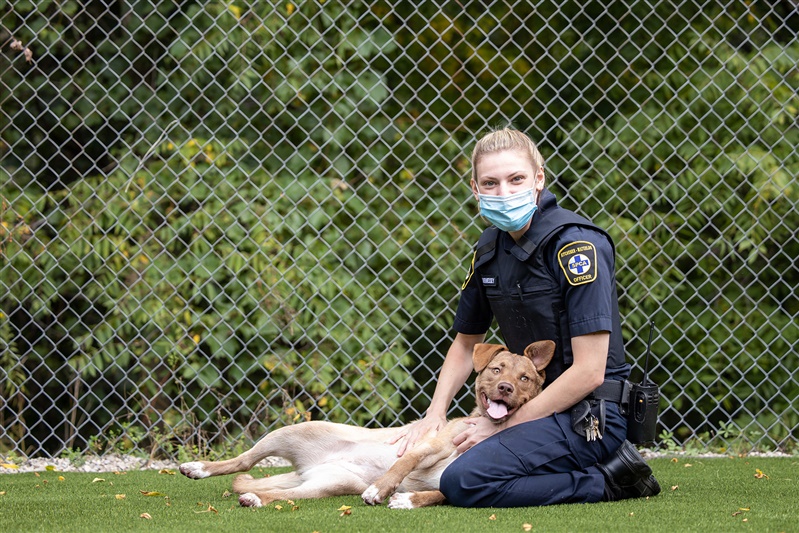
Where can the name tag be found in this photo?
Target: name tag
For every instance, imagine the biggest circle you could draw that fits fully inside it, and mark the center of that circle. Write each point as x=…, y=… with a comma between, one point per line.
x=489, y=281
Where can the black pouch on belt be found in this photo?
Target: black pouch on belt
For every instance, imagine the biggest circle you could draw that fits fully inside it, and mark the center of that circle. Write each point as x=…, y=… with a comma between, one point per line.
x=588, y=419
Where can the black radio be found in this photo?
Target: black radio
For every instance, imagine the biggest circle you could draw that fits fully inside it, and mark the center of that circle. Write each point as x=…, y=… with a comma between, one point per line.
x=642, y=409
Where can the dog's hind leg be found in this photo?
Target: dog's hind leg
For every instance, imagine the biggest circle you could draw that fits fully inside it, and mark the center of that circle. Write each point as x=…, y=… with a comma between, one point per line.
x=298, y=443
x=320, y=482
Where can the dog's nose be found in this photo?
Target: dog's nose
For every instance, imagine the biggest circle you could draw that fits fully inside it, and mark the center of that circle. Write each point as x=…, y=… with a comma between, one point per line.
x=505, y=387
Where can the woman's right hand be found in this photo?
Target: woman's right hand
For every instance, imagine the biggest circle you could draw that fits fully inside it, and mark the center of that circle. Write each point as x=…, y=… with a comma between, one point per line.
x=430, y=424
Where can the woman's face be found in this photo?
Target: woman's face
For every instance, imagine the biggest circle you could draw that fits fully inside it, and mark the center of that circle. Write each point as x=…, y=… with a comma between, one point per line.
x=505, y=173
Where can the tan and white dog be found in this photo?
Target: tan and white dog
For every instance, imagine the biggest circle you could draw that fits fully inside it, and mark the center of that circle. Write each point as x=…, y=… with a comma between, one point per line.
x=332, y=459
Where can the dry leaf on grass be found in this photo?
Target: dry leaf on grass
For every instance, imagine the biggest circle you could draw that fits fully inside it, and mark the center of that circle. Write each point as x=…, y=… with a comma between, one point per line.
x=120, y=496
x=151, y=493
x=146, y=516
x=759, y=474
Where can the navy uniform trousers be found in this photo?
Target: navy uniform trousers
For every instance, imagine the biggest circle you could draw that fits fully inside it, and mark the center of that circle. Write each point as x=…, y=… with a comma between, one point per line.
x=542, y=462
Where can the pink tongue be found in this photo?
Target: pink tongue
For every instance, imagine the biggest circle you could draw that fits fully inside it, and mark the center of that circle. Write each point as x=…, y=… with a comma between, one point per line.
x=497, y=410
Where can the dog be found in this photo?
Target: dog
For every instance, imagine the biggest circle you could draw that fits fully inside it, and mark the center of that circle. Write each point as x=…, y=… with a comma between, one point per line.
x=332, y=459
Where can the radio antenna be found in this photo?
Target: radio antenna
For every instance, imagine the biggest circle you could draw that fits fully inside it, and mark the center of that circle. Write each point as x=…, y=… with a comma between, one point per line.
x=645, y=381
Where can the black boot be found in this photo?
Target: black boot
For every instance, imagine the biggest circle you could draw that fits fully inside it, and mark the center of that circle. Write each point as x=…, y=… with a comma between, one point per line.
x=627, y=475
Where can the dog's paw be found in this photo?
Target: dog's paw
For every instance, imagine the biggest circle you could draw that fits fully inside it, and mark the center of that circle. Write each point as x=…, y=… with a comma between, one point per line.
x=248, y=499
x=371, y=496
x=401, y=500
x=194, y=470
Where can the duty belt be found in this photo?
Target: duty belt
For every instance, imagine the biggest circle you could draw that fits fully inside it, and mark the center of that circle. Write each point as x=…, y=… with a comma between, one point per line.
x=613, y=390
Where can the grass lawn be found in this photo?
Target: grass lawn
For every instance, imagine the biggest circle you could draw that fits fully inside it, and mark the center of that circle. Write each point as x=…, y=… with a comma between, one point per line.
x=752, y=494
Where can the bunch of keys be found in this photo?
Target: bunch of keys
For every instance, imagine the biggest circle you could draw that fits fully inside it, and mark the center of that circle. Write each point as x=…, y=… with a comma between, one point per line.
x=591, y=426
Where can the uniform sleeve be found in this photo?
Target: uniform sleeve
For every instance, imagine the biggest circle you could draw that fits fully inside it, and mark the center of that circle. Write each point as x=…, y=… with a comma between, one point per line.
x=474, y=315
x=583, y=262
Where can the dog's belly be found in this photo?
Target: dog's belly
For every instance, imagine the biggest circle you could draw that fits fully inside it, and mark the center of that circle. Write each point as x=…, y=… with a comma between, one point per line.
x=367, y=460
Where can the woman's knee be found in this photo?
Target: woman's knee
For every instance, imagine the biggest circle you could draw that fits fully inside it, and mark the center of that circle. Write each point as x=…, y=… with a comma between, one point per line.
x=459, y=487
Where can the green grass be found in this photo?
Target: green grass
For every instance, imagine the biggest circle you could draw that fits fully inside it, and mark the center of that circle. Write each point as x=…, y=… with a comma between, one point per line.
x=699, y=494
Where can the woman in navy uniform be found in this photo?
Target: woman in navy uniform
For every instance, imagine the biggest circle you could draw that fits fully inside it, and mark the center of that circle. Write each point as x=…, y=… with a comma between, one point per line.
x=542, y=272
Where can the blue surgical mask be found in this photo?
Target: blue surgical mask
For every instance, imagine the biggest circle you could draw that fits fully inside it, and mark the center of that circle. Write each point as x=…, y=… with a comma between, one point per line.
x=508, y=213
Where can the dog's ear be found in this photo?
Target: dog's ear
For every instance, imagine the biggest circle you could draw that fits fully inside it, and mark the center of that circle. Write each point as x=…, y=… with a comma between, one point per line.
x=483, y=353
x=540, y=353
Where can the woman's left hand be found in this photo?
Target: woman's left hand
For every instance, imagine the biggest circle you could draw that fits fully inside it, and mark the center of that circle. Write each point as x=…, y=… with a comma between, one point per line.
x=480, y=428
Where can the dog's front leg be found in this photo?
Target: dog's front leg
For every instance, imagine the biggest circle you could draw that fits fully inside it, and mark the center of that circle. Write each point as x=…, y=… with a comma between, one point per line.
x=414, y=500
x=386, y=484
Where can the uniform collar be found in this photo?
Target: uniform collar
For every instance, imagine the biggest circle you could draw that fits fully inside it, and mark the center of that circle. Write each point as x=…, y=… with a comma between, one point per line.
x=523, y=249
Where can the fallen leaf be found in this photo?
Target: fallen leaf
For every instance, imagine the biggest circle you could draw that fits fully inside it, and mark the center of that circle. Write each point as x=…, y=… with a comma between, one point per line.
x=146, y=516
x=61, y=478
x=167, y=472
x=151, y=493
x=675, y=460
x=9, y=465
x=759, y=474
x=527, y=527
x=50, y=468
x=279, y=507
x=492, y=517
x=688, y=465
x=344, y=508
x=675, y=487
x=227, y=494
x=632, y=514
x=2, y=493
x=210, y=509
x=745, y=520
x=119, y=496
x=98, y=480
x=295, y=508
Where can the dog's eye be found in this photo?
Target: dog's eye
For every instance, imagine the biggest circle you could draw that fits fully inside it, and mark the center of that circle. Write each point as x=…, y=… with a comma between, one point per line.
x=525, y=378
x=495, y=370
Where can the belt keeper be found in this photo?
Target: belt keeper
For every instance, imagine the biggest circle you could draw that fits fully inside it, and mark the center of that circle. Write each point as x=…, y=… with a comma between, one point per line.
x=624, y=403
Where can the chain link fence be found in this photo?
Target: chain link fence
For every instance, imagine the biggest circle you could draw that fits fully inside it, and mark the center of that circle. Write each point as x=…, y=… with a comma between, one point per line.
x=223, y=217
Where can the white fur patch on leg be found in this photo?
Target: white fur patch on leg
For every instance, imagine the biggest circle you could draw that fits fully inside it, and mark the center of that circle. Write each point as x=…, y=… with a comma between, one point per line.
x=248, y=499
x=400, y=500
x=194, y=470
x=369, y=496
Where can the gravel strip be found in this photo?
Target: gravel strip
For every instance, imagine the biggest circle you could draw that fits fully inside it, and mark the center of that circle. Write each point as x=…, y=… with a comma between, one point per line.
x=109, y=463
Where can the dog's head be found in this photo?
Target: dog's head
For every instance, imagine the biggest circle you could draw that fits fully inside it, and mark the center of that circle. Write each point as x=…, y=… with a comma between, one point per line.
x=505, y=381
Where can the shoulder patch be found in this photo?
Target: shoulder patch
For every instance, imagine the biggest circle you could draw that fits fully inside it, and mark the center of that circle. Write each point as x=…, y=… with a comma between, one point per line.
x=578, y=262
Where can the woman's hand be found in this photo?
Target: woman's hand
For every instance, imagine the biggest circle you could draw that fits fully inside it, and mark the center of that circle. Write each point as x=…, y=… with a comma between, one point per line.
x=480, y=429
x=418, y=431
